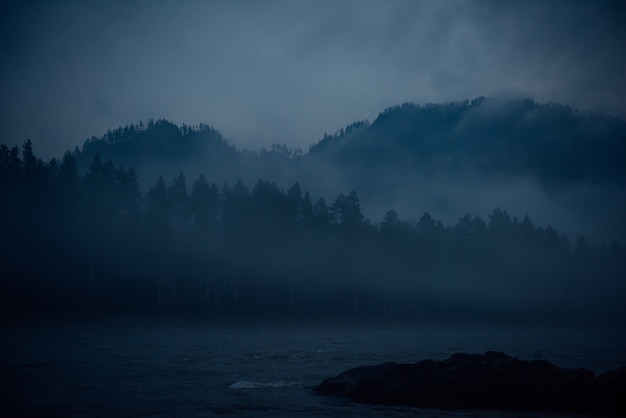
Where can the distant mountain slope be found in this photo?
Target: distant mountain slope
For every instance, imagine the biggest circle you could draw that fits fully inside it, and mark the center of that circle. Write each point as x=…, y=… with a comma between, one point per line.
x=161, y=147
x=553, y=143
x=559, y=165
x=164, y=148
x=160, y=140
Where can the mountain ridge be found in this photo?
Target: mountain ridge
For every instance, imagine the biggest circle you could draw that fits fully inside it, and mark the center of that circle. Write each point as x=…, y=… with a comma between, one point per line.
x=481, y=129
x=553, y=162
x=518, y=135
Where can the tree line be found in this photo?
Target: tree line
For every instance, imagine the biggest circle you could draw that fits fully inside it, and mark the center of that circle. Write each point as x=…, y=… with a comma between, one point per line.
x=97, y=244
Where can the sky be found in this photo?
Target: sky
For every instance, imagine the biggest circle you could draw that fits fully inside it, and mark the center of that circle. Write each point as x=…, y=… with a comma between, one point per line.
x=274, y=71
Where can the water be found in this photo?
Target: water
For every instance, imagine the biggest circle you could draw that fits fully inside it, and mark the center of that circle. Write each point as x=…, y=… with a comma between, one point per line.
x=127, y=368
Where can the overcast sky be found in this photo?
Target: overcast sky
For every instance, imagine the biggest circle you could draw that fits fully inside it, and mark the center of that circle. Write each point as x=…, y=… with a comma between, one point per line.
x=287, y=71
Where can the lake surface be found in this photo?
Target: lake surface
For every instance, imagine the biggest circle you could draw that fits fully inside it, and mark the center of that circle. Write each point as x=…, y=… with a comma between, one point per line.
x=193, y=369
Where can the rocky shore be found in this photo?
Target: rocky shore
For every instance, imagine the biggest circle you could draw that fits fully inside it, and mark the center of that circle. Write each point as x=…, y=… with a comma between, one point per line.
x=492, y=380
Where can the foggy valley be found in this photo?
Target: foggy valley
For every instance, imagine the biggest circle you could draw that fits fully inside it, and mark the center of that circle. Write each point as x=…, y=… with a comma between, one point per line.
x=81, y=235
x=85, y=237
x=215, y=207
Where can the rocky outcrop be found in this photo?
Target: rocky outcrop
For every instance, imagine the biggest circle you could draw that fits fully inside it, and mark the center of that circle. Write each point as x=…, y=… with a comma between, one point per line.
x=484, y=381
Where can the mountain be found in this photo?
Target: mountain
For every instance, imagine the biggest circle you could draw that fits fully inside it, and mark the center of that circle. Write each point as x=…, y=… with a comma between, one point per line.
x=559, y=165
x=555, y=144
x=163, y=148
x=98, y=242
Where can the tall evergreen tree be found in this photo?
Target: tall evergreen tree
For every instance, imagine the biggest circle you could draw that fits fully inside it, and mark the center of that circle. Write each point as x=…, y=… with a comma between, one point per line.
x=322, y=216
x=179, y=203
x=204, y=204
x=347, y=210
x=391, y=224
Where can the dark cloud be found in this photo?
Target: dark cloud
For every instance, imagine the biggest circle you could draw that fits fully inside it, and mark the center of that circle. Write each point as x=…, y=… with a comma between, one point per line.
x=100, y=106
x=282, y=71
x=562, y=50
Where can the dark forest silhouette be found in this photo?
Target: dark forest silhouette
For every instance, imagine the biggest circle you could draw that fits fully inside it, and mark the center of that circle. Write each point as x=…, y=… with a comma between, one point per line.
x=559, y=165
x=97, y=244
x=556, y=143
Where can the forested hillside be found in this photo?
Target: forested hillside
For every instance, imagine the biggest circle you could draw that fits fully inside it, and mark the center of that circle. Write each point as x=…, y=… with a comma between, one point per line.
x=556, y=144
x=96, y=243
x=559, y=165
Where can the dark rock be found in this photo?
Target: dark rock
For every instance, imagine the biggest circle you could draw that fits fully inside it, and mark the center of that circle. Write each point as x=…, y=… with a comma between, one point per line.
x=489, y=381
x=611, y=390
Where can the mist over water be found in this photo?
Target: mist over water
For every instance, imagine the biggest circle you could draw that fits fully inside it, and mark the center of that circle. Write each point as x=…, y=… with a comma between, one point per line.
x=183, y=368
x=469, y=226
x=209, y=250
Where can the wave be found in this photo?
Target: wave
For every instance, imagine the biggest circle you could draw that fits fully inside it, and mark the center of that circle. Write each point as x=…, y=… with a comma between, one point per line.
x=244, y=384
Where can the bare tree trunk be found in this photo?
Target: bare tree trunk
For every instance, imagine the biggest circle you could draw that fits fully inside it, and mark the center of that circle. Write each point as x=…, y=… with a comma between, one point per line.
x=125, y=277
x=388, y=305
x=361, y=299
x=160, y=290
x=217, y=297
x=355, y=301
x=124, y=291
x=125, y=268
x=90, y=287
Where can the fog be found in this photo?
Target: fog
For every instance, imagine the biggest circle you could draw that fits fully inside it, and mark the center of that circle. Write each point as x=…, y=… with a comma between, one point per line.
x=208, y=207
x=417, y=216
x=280, y=72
